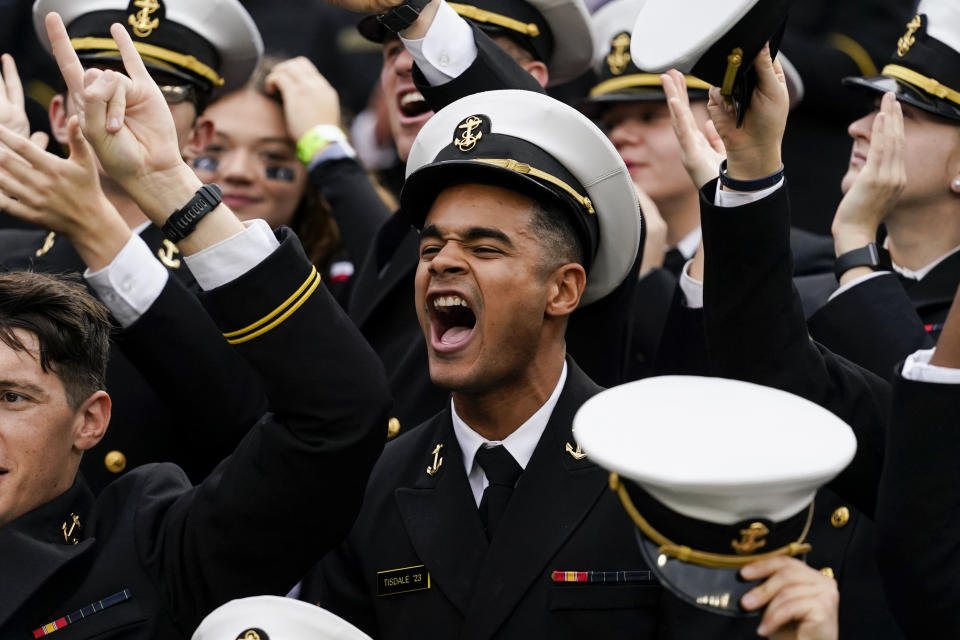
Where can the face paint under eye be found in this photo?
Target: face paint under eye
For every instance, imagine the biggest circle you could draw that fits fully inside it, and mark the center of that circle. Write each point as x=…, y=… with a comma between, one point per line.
x=206, y=163
x=285, y=174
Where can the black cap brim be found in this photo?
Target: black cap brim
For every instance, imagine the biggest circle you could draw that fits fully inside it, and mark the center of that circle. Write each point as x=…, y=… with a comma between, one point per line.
x=592, y=106
x=906, y=93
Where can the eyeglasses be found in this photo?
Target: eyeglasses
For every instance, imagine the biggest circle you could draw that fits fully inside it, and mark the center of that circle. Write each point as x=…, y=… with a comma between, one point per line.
x=176, y=94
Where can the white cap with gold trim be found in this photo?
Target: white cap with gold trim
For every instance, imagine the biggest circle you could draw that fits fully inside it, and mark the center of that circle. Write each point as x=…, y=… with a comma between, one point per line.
x=274, y=618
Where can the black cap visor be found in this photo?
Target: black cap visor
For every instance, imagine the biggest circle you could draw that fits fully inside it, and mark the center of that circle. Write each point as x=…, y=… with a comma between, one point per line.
x=593, y=106
x=906, y=93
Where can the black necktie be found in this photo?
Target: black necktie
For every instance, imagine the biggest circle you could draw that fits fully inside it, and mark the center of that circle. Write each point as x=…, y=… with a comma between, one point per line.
x=502, y=473
x=673, y=261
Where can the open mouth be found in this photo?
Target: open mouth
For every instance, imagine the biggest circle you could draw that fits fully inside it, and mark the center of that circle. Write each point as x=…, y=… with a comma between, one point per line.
x=453, y=322
x=413, y=104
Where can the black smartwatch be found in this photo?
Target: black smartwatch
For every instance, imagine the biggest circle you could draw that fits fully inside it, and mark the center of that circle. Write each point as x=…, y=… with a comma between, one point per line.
x=403, y=15
x=182, y=222
x=868, y=256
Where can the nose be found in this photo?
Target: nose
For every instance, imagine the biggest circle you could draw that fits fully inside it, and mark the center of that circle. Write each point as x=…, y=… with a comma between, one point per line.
x=238, y=166
x=448, y=261
x=624, y=133
x=403, y=63
x=860, y=129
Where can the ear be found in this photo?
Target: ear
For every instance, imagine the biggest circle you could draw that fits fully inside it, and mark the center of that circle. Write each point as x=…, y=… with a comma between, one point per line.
x=92, y=418
x=58, y=118
x=538, y=70
x=565, y=288
x=200, y=136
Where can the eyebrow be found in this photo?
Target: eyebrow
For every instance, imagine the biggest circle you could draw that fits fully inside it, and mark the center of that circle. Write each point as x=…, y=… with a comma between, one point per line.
x=22, y=385
x=473, y=233
x=260, y=141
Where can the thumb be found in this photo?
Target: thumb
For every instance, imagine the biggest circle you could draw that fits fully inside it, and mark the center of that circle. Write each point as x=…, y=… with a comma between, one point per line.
x=79, y=148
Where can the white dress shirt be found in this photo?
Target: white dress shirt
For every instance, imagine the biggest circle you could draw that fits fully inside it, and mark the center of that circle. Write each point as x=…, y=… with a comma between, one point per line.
x=448, y=48
x=520, y=444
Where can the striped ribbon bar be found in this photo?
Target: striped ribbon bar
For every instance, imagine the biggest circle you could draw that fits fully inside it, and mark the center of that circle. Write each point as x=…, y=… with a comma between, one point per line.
x=85, y=612
x=602, y=576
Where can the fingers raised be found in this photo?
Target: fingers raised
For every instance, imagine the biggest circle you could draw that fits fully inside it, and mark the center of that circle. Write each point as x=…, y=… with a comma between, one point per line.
x=11, y=81
x=64, y=53
x=132, y=61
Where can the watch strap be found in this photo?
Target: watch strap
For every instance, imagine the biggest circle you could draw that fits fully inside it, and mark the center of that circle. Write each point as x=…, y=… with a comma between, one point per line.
x=866, y=256
x=403, y=15
x=183, y=221
x=749, y=185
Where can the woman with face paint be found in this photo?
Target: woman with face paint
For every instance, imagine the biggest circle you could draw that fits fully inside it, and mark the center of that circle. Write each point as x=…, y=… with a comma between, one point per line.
x=254, y=158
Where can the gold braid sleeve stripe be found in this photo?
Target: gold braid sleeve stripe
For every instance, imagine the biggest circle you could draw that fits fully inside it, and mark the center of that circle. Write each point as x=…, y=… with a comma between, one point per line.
x=704, y=558
x=929, y=85
x=278, y=315
x=856, y=52
x=640, y=80
x=482, y=15
x=189, y=63
x=526, y=169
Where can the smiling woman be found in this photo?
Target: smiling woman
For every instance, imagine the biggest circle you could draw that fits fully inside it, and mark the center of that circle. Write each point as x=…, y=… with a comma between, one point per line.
x=253, y=157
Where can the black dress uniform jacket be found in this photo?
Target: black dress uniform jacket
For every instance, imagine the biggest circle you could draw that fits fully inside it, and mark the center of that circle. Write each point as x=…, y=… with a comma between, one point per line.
x=918, y=510
x=144, y=373
x=755, y=331
x=288, y=493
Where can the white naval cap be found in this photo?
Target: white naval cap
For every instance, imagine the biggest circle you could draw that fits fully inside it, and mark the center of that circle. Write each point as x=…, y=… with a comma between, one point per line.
x=531, y=143
x=714, y=473
x=274, y=618
x=212, y=43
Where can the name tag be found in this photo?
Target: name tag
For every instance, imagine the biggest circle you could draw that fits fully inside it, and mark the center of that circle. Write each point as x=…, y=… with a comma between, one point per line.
x=403, y=580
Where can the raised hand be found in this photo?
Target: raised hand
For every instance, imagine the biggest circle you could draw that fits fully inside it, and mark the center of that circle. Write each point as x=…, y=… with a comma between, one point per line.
x=753, y=150
x=308, y=99
x=63, y=195
x=801, y=603
x=702, y=151
x=13, y=110
x=878, y=185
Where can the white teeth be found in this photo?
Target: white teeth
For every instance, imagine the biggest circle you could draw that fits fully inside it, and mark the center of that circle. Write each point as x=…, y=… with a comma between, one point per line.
x=449, y=301
x=410, y=98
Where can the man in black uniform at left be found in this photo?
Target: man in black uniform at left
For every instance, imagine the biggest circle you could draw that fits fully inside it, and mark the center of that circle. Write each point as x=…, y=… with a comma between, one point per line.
x=152, y=555
x=191, y=58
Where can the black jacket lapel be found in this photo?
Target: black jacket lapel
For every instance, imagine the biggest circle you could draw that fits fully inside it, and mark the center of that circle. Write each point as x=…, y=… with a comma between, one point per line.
x=937, y=289
x=33, y=547
x=371, y=287
x=441, y=518
x=555, y=492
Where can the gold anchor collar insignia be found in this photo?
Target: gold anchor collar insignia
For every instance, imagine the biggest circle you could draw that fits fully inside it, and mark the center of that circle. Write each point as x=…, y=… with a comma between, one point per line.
x=142, y=21
x=469, y=132
x=437, y=461
x=907, y=40
x=69, y=528
x=619, y=57
x=576, y=454
x=47, y=244
x=167, y=254
x=751, y=538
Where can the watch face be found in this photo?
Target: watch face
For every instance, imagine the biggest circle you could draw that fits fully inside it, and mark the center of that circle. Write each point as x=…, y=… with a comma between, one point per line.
x=402, y=16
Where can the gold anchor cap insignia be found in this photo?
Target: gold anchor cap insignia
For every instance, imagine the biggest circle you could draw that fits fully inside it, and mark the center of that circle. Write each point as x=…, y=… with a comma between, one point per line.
x=437, y=461
x=69, y=535
x=907, y=40
x=575, y=454
x=619, y=57
x=142, y=22
x=253, y=634
x=751, y=538
x=468, y=134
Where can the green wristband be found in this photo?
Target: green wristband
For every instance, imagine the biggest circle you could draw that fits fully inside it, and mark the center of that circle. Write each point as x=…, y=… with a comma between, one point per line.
x=317, y=139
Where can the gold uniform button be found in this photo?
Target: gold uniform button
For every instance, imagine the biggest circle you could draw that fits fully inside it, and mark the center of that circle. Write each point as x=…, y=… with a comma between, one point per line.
x=115, y=462
x=393, y=428
x=840, y=517
x=827, y=571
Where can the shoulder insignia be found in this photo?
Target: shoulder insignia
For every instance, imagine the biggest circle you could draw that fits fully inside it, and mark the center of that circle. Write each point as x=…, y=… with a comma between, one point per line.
x=142, y=21
x=167, y=254
x=907, y=40
x=619, y=57
x=47, y=244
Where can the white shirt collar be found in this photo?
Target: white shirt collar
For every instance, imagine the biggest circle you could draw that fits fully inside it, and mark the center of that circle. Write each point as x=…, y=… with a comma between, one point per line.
x=689, y=243
x=520, y=444
x=923, y=271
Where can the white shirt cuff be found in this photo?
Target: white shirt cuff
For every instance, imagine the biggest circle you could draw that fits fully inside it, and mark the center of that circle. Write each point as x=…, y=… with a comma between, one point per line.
x=853, y=283
x=229, y=259
x=917, y=367
x=131, y=283
x=740, y=198
x=692, y=289
x=447, y=50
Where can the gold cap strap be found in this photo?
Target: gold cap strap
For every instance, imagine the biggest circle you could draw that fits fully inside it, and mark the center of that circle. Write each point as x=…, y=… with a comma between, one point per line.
x=734, y=60
x=526, y=169
x=482, y=15
x=640, y=80
x=189, y=63
x=929, y=85
x=704, y=558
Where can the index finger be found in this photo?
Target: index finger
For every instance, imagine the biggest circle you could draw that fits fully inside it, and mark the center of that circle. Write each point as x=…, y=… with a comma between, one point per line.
x=132, y=61
x=64, y=53
x=12, y=80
